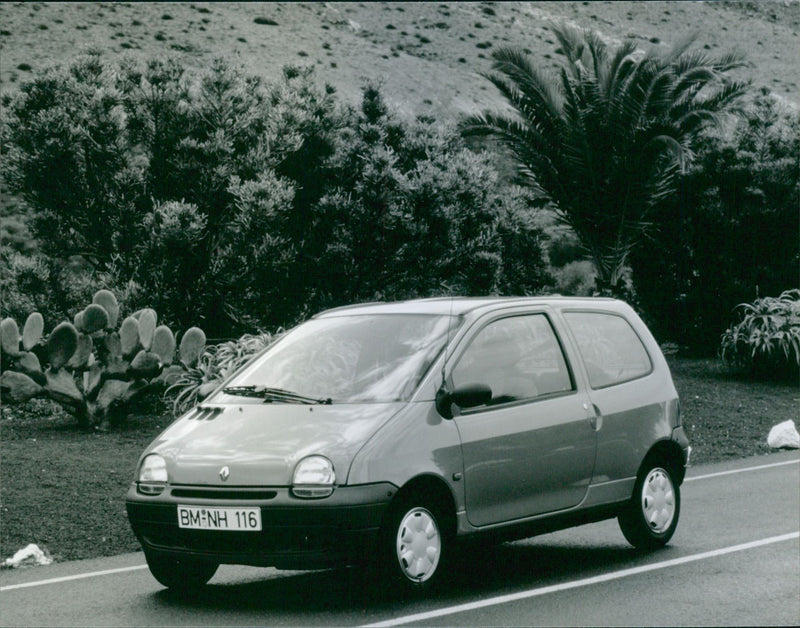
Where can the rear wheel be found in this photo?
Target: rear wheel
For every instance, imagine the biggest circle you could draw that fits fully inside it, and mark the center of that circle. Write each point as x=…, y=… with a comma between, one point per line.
x=179, y=573
x=650, y=518
x=416, y=544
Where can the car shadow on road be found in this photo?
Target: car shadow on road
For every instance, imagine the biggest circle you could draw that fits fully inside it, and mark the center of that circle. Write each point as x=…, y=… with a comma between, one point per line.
x=476, y=571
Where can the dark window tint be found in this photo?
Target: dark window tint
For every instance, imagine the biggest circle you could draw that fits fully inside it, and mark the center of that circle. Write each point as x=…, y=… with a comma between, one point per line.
x=611, y=350
x=518, y=357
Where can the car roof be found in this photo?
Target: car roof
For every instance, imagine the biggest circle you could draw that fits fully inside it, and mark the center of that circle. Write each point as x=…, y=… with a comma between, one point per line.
x=458, y=306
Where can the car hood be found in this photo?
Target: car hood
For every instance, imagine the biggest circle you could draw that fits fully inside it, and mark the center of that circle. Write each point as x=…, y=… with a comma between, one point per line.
x=261, y=443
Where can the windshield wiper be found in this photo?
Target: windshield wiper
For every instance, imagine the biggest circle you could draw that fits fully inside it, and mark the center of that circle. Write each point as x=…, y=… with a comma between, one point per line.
x=274, y=394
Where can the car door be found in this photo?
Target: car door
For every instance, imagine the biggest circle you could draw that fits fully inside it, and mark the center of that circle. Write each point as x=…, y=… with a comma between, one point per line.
x=531, y=449
x=627, y=396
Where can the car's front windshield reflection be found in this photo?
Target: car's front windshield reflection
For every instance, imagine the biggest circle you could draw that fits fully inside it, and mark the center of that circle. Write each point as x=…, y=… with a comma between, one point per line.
x=353, y=358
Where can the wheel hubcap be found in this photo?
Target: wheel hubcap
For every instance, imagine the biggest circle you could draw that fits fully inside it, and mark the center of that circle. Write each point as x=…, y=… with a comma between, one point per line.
x=658, y=501
x=419, y=545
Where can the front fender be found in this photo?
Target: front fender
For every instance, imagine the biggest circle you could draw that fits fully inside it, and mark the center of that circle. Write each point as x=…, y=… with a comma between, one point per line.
x=415, y=442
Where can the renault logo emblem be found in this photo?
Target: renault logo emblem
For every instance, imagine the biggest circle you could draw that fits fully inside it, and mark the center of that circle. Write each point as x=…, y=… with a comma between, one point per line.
x=224, y=473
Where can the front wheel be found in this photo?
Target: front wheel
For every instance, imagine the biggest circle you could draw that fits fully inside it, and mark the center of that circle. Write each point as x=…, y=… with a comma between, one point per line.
x=415, y=544
x=179, y=573
x=650, y=518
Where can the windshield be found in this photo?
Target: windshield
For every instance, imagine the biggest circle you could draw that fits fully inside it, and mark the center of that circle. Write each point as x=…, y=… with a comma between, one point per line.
x=352, y=358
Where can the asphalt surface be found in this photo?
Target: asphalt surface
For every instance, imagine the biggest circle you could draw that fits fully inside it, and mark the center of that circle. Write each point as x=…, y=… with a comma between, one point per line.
x=734, y=560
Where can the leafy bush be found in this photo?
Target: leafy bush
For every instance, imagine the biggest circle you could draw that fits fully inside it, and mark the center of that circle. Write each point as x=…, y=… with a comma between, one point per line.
x=55, y=288
x=215, y=364
x=414, y=213
x=65, y=149
x=766, y=341
x=575, y=279
x=240, y=205
x=730, y=233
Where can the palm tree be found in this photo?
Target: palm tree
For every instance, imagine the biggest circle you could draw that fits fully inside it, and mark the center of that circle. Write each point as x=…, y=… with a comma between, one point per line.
x=604, y=137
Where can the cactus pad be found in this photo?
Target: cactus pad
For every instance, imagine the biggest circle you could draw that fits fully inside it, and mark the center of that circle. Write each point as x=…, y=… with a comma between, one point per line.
x=145, y=365
x=192, y=345
x=164, y=344
x=28, y=363
x=116, y=392
x=18, y=387
x=108, y=301
x=32, y=331
x=95, y=318
x=80, y=359
x=9, y=336
x=61, y=344
x=61, y=386
x=129, y=336
x=147, y=328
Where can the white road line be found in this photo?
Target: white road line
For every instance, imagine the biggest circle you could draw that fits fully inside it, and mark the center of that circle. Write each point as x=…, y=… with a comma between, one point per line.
x=523, y=595
x=92, y=574
x=758, y=468
x=80, y=576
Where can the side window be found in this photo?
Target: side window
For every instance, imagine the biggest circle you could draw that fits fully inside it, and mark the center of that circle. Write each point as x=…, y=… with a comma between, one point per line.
x=517, y=357
x=611, y=349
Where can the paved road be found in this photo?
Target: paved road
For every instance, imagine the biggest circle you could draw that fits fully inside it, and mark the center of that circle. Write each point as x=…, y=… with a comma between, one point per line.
x=735, y=560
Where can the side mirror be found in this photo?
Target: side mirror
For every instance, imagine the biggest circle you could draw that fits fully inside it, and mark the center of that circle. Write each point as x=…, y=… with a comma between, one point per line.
x=467, y=396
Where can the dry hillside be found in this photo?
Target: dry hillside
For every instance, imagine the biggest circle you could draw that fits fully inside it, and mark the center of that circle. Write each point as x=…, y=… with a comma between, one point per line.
x=426, y=54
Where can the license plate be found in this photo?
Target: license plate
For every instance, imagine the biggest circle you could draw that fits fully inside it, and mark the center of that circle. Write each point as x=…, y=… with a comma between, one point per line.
x=233, y=519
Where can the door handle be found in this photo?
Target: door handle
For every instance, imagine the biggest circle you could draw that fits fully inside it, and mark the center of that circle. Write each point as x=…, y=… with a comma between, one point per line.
x=596, y=418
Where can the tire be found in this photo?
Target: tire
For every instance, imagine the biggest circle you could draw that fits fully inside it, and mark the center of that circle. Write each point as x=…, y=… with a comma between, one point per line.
x=416, y=544
x=649, y=520
x=182, y=574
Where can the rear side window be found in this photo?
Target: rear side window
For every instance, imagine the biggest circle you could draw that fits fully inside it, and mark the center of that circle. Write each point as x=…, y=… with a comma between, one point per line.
x=611, y=349
x=519, y=357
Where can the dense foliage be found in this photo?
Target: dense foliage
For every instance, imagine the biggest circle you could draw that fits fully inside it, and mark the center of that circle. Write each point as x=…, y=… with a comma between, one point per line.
x=731, y=232
x=604, y=138
x=766, y=339
x=239, y=205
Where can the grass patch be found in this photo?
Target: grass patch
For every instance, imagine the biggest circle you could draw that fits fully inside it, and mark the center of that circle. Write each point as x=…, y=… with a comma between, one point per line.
x=64, y=489
x=726, y=415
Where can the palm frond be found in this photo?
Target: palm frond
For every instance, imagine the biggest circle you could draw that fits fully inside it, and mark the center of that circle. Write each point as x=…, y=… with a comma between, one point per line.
x=619, y=69
x=538, y=87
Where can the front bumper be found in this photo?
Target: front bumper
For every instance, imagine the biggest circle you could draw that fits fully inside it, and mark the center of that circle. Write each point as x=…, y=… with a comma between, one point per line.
x=296, y=533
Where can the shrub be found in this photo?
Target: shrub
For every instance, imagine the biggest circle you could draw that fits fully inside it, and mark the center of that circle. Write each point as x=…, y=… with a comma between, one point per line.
x=55, y=288
x=730, y=233
x=65, y=151
x=766, y=341
x=243, y=205
x=576, y=278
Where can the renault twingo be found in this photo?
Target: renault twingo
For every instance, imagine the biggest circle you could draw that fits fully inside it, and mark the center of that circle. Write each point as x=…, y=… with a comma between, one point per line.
x=388, y=432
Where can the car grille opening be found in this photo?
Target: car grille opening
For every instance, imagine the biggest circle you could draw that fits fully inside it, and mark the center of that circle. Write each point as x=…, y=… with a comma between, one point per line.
x=225, y=493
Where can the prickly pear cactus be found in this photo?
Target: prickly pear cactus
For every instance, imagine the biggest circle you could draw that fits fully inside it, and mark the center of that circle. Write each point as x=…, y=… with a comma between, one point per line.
x=89, y=366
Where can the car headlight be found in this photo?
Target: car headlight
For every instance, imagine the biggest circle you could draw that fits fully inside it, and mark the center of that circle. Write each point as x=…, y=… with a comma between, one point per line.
x=152, y=477
x=313, y=478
